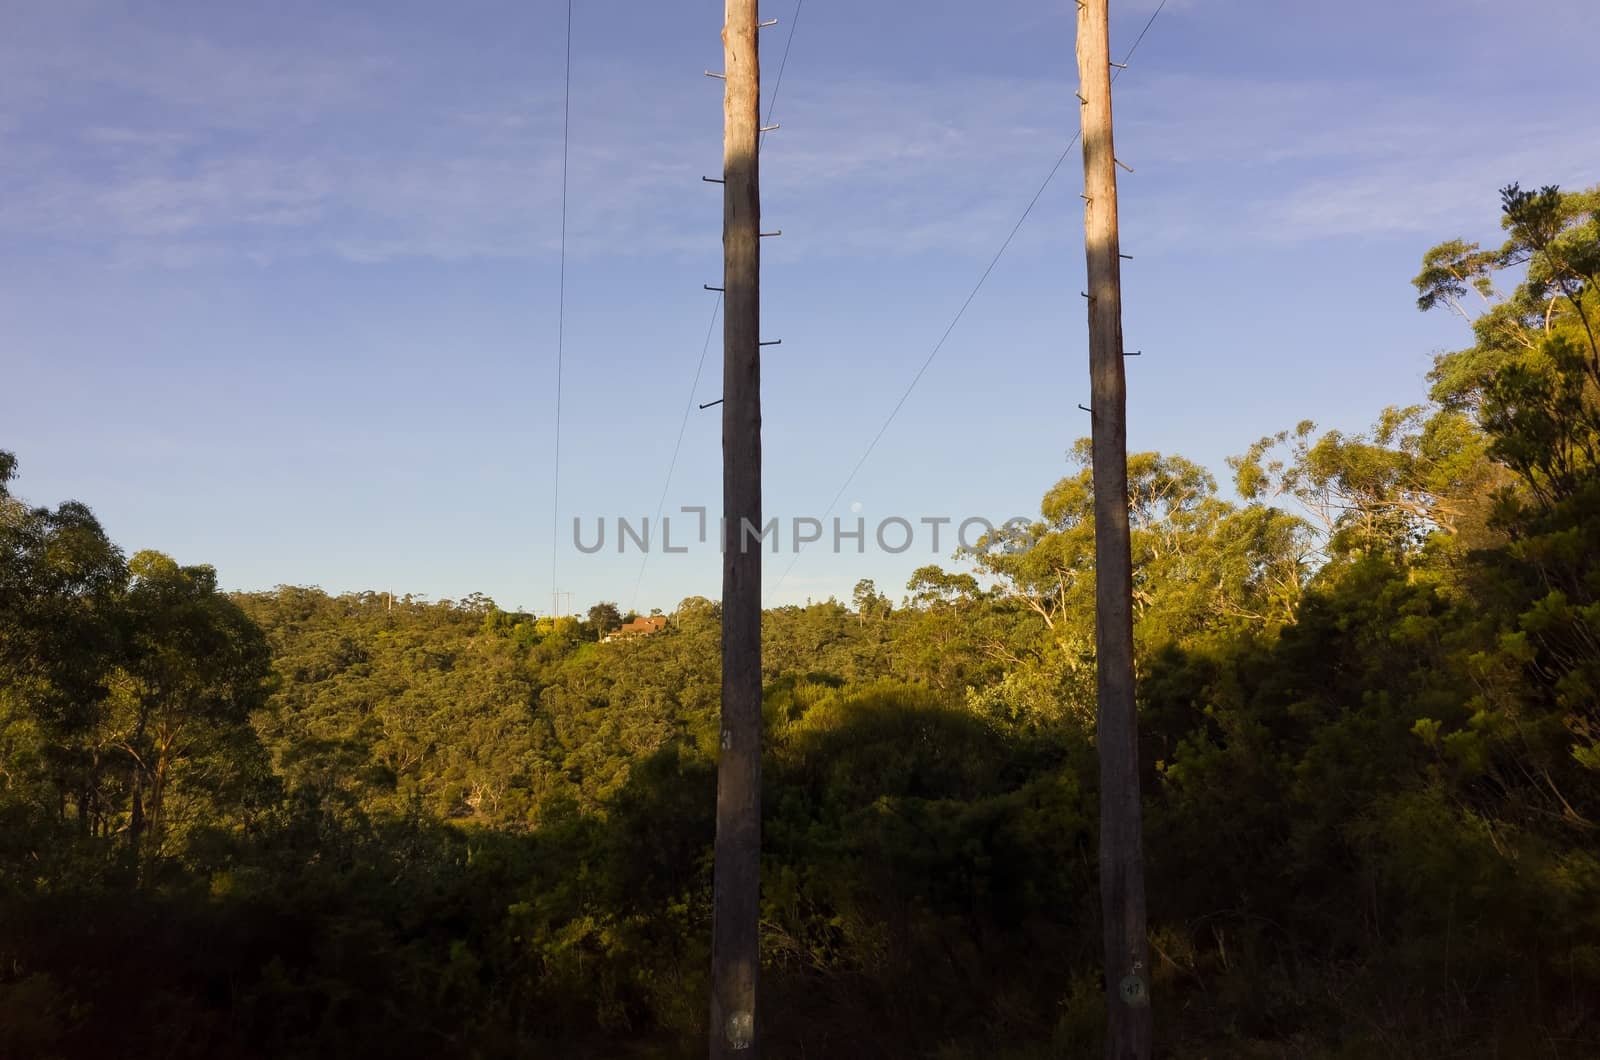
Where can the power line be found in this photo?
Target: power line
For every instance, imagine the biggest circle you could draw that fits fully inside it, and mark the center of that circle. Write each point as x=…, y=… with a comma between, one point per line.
x=561, y=317
x=898, y=405
x=1138, y=40
x=783, y=64
x=672, y=465
x=678, y=445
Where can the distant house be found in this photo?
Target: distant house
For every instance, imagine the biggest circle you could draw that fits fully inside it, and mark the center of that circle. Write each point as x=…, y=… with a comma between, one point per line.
x=641, y=627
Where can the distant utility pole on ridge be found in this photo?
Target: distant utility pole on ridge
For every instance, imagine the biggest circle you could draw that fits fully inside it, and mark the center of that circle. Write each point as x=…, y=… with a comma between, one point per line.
x=1129, y=1028
x=735, y=950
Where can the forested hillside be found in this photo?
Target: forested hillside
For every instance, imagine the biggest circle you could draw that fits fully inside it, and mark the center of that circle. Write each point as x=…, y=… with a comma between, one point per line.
x=289, y=824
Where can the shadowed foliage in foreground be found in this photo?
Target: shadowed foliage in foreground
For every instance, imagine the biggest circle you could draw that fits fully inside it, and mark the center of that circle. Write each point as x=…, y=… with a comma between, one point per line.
x=295, y=825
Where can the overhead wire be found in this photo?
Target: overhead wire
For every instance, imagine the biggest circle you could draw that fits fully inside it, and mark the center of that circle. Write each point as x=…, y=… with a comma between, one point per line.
x=561, y=323
x=688, y=408
x=965, y=305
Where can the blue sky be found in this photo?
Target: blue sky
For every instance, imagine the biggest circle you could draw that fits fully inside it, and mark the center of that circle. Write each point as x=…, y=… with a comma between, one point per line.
x=280, y=281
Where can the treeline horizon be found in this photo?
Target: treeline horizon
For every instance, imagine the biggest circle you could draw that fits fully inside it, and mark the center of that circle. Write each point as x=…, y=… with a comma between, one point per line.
x=290, y=824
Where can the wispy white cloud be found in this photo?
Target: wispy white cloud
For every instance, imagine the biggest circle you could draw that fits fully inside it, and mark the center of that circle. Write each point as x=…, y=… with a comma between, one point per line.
x=1289, y=161
x=143, y=145
x=906, y=167
x=901, y=166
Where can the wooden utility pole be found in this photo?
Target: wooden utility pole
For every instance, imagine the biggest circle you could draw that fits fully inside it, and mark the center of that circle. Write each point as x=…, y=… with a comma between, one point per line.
x=1129, y=1026
x=735, y=950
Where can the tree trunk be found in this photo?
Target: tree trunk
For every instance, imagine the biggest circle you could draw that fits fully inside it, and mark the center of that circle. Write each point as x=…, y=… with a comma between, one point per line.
x=157, y=817
x=136, y=816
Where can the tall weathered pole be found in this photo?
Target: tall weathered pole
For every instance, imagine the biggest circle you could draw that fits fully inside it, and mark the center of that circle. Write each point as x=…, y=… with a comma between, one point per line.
x=735, y=951
x=1129, y=1025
